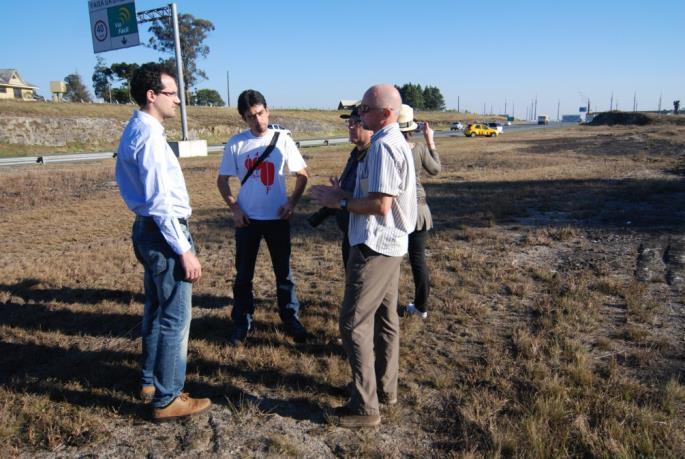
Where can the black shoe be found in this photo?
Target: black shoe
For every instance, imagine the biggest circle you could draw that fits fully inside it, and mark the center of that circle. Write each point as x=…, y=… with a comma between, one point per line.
x=239, y=335
x=294, y=328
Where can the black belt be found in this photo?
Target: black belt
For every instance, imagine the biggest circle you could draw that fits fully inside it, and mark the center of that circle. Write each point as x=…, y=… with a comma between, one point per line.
x=141, y=218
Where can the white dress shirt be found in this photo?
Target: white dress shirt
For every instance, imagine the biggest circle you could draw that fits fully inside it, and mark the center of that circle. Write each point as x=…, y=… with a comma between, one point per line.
x=150, y=179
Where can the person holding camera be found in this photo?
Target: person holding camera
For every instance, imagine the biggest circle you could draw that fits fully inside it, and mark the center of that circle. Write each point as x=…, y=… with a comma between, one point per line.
x=382, y=214
x=258, y=157
x=425, y=158
x=361, y=138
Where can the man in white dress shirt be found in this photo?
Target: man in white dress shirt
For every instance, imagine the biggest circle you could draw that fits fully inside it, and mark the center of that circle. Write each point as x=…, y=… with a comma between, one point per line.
x=152, y=186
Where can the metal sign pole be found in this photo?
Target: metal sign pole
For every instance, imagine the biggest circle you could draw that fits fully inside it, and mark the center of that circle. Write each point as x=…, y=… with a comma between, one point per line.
x=179, y=72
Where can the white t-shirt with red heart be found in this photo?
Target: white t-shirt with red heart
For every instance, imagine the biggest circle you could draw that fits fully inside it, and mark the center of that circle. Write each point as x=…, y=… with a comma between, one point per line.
x=264, y=192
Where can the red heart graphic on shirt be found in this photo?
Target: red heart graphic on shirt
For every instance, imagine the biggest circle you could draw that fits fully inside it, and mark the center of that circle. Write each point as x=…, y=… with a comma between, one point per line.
x=266, y=174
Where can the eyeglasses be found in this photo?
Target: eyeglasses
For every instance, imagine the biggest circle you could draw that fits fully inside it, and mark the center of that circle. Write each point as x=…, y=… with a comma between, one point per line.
x=169, y=93
x=363, y=108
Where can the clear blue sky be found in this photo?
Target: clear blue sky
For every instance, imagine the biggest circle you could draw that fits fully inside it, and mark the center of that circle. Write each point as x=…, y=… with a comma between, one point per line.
x=310, y=54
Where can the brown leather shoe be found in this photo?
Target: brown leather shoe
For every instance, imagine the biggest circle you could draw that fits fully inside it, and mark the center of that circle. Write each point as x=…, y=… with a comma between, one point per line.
x=147, y=393
x=181, y=407
x=344, y=416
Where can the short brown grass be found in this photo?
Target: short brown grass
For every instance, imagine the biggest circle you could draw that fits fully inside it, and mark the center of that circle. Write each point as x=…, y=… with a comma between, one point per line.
x=540, y=342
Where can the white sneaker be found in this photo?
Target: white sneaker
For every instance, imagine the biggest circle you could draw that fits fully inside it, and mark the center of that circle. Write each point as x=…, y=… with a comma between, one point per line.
x=411, y=309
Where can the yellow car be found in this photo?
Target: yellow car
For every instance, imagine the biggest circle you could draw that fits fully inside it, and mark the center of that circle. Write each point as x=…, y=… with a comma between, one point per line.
x=476, y=129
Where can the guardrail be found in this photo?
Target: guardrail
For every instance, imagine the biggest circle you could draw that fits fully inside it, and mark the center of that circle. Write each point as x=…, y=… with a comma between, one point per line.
x=49, y=159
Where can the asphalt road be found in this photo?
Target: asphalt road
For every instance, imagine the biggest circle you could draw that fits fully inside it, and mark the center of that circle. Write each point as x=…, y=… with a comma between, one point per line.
x=61, y=158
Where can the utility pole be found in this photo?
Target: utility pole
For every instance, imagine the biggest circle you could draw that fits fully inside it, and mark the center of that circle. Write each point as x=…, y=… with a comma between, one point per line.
x=660, y=94
x=535, y=113
x=611, y=102
x=483, y=108
x=635, y=101
x=505, y=106
x=228, y=90
x=558, y=105
x=532, y=104
x=458, y=108
x=513, y=110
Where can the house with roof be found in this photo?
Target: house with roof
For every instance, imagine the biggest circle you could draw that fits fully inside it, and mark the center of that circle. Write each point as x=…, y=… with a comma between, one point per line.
x=13, y=86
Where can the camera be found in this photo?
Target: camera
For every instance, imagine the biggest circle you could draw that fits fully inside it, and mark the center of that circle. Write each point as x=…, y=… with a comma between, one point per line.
x=319, y=216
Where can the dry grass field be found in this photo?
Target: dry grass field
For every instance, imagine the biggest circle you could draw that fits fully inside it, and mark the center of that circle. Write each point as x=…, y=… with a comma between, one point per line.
x=556, y=325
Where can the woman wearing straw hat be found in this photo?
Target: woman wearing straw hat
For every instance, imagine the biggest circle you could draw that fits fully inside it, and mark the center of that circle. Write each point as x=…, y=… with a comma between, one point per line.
x=425, y=158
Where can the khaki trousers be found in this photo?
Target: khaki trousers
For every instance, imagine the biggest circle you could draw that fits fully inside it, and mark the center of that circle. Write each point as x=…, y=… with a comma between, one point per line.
x=370, y=327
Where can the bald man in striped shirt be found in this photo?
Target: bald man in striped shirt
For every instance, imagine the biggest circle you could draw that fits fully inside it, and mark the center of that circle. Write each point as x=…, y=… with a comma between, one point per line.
x=382, y=214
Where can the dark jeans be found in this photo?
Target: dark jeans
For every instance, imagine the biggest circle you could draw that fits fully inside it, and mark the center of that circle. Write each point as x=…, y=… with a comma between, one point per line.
x=276, y=233
x=419, y=268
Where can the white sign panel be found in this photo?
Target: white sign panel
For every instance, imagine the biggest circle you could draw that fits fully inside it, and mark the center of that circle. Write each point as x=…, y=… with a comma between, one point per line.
x=113, y=24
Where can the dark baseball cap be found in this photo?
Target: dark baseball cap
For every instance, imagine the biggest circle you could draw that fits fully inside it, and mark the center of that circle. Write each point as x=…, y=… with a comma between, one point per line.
x=353, y=114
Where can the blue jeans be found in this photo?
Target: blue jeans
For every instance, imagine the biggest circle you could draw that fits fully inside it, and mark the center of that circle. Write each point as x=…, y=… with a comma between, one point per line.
x=276, y=233
x=166, y=318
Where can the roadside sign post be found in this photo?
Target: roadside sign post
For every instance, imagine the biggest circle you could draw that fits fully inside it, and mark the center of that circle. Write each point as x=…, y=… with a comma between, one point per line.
x=114, y=25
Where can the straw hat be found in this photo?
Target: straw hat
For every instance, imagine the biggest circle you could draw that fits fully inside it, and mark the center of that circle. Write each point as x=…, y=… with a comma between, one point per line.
x=406, y=119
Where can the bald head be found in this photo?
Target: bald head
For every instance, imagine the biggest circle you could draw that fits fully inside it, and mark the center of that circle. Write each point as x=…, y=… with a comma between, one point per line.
x=387, y=100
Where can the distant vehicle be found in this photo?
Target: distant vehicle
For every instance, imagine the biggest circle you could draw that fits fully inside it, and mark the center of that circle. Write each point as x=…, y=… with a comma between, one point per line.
x=278, y=127
x=497, y=127
x=543, y=119
x=456, y=126
x=479, y=129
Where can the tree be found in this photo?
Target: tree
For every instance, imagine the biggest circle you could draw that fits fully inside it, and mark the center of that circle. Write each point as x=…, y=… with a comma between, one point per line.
x=124, y=72
x=193, y=32
x=102, y=80
x=432, y=99
x=76, y=90
x=207, y=97
x=412, y=95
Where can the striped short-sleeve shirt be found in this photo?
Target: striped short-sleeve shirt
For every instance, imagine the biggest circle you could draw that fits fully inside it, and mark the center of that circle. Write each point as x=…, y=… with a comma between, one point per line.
x=388, y=168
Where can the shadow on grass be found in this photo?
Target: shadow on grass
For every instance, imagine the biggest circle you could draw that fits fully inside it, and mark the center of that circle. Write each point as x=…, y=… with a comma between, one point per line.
x=29, y=290
x=108, y=378
x=644, y=205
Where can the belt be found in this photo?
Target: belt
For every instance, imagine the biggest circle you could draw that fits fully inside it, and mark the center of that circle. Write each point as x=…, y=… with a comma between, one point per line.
x=143, y=219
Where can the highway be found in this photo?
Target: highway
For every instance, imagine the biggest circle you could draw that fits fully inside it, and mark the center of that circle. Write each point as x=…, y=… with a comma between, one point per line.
x=71, y=157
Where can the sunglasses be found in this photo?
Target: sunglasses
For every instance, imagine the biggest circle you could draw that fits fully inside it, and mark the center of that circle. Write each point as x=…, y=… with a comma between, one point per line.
x=363, y=108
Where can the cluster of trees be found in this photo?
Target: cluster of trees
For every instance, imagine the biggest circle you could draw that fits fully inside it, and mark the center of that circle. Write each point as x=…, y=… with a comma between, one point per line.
x=112, y=83
x=428, y=98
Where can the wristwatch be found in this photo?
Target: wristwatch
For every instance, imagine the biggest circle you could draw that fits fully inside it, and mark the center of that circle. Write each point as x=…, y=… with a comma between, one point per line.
x=343, y=203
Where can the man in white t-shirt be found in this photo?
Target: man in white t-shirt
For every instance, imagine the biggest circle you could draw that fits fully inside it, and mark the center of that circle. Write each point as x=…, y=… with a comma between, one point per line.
x=261, y=210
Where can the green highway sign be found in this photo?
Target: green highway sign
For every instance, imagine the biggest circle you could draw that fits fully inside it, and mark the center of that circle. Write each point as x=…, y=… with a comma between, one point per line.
x=113, y=24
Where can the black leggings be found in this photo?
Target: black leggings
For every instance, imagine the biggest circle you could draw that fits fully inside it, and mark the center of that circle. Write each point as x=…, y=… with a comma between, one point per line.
x=419, y=268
